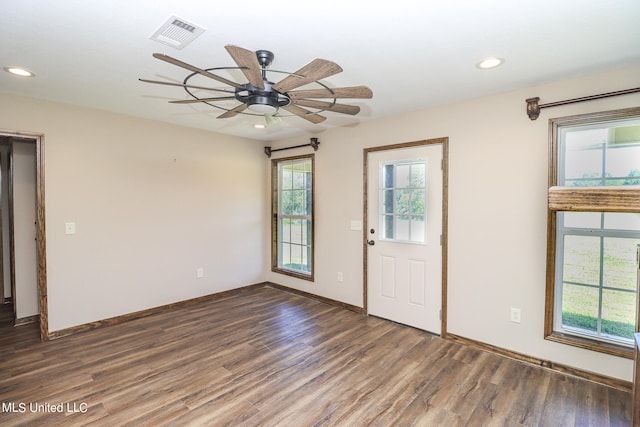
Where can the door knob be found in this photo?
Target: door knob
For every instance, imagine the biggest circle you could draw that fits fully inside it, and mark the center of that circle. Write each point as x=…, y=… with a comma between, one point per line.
x=371, y=242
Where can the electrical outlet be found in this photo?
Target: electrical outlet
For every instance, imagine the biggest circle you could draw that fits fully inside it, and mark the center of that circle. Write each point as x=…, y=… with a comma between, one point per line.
x=516, y=315
x=340, y=277
x=200, y=273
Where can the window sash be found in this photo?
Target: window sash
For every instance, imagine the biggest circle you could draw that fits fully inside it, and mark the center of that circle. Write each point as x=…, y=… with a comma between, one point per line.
x=292, y=208
x=600, y=284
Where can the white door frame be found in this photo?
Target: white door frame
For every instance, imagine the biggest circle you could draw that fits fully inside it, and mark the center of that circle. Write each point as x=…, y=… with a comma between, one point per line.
x=365, y=229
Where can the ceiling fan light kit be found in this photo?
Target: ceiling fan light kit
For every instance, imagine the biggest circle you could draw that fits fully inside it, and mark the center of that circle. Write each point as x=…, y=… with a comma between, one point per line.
x=262, y=97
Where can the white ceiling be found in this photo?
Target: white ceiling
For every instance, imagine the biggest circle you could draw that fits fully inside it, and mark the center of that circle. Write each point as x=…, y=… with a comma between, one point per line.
x=412, y=54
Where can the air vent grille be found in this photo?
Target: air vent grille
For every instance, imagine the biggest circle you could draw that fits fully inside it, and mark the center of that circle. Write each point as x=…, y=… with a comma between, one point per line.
x=177, y=32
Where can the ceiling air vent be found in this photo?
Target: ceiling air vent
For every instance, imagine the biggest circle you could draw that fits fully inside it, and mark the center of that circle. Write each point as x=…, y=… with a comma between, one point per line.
x=177, y=32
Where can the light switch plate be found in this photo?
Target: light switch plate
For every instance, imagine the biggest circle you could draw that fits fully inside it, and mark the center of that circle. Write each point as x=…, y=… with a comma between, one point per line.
x=356, y=225
x=69, y=228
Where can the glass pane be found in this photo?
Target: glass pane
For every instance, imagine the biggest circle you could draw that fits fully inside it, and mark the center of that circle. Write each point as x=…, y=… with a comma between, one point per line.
x=418, y=171
x=580, y=307
x=296, y=228
x=418, y=202
x=623, y=163
x=285, y=258
x=622, y=221
x=402, y=228
x=582, y=260
x=287, y=181
x=387, y=227
x=307, y=265
x=286, y=230
x=618, y=313
x=303, y=231
x=584, y=154
x=287, y=203
x=298, y=202
x=605, y=156
x=387, y=200
x=304, y=261
x=581, y=219
x=403, y=202
x=298, y=180
x=403, y=173
x=388, y=176
x=619, y=267
x=296, y=257
x=418, y=229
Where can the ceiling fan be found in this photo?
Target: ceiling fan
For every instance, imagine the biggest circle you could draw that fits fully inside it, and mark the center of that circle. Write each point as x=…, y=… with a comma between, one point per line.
x=262, y=97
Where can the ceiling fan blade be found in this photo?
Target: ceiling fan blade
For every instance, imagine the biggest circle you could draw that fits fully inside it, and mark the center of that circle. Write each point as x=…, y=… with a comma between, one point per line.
x=187, y=86
x=190, y=67
x=315, y=70
x=361, y=92
x=248, y=63
x=305, y=114
x=232, y=113
x=194, y=101
x=329, y=106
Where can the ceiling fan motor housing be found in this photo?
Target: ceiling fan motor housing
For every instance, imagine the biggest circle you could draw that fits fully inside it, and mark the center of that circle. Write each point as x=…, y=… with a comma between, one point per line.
x=262, y=101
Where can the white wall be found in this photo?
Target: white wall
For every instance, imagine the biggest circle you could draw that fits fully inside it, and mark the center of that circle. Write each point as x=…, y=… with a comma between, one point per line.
x=152, y=202
x=497, y=211
x=26, y=298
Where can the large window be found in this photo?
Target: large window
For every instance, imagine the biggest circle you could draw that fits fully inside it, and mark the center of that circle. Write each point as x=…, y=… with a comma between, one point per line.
x=594, y=231
x=292, y=209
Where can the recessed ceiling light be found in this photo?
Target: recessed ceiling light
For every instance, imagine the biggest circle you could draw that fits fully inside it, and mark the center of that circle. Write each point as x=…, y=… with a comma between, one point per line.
x=17, y=71
x=490, y=62
x=259, y=126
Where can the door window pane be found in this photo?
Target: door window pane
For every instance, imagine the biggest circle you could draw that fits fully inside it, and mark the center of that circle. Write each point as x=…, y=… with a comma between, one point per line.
x=402, y=201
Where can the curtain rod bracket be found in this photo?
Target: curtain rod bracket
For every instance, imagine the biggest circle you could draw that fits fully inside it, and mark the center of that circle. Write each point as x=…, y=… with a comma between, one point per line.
x=533, y=109
x=313, y=142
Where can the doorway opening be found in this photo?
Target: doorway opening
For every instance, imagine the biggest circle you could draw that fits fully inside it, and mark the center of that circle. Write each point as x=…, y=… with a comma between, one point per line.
x=15, y=144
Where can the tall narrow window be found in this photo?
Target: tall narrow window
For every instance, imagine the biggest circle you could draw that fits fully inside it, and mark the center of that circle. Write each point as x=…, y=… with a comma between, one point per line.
x=292, y=209
x=594, y=231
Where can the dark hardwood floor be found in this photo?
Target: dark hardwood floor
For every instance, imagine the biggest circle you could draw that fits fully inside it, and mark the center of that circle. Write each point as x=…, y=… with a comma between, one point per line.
x=271, y=358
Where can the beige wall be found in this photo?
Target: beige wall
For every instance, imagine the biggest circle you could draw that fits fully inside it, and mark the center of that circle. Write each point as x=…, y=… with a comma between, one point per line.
x=151, y=202
x=497, y=211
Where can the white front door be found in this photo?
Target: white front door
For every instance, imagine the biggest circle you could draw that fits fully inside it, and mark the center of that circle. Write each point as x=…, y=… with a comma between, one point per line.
x=404, y=221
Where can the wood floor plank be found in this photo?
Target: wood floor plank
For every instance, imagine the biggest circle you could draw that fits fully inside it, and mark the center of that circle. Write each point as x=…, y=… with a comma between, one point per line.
x=272, y=358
